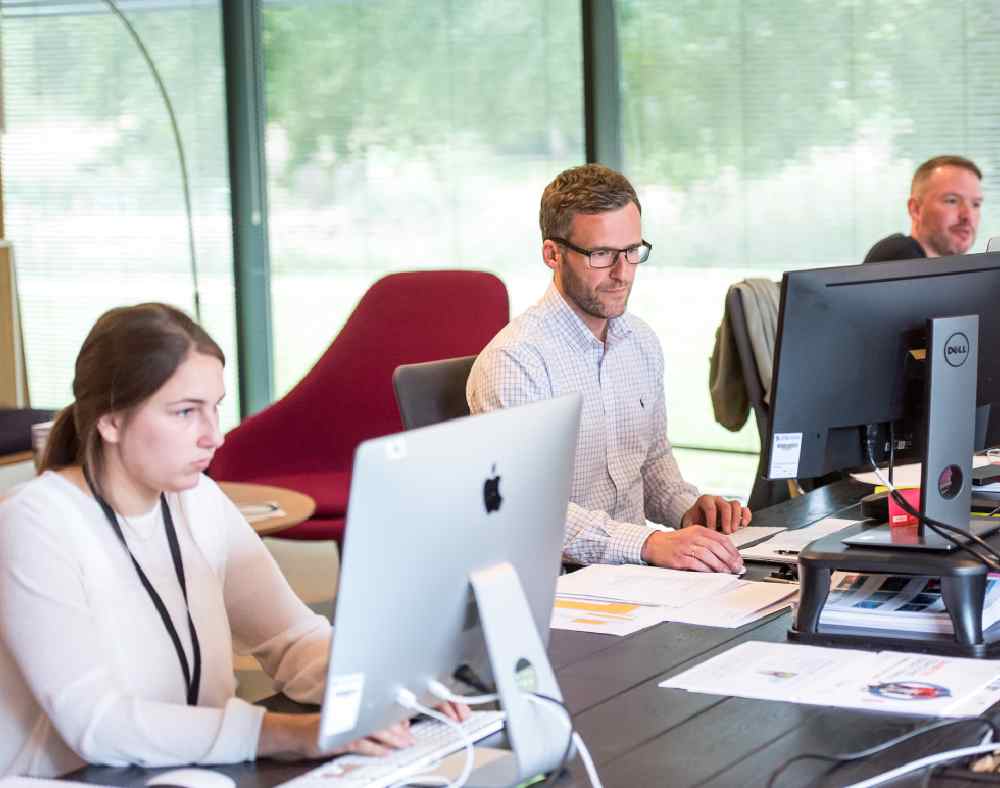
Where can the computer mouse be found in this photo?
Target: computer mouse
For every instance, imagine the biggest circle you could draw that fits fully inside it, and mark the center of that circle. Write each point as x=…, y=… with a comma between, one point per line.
x=193, y=778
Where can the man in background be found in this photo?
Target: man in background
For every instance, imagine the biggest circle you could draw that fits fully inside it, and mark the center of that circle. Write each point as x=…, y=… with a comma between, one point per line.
x=579, y=339
x=944, y=204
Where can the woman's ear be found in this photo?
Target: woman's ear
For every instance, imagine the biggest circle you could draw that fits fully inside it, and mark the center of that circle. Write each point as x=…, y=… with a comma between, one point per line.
x=110, y=427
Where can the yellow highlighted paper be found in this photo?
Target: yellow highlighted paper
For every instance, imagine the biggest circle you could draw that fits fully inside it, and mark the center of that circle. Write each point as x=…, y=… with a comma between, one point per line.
x=614, y=608
x=609, y=618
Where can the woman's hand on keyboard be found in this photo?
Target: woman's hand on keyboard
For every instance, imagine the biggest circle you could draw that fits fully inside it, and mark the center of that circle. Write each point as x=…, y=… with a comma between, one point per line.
x=456, y=711
x=295, y=736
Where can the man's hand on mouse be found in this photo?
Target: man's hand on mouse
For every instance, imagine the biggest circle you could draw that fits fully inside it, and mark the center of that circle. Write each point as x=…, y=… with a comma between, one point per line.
x=718, y=514
x=694, y=548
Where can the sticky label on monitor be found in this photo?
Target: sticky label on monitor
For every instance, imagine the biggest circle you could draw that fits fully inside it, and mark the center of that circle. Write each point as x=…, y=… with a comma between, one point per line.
x=342, y=705
x=785, y=451
x=395, y=448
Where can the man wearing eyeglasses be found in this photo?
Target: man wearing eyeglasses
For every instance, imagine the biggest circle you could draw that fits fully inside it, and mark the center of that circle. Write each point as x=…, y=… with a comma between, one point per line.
x=579, y=339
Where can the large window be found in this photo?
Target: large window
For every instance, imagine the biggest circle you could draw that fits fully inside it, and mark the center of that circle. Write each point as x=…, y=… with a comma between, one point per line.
x=419, y=133
x=767, y=136
x=92, y=189
x=405, y=134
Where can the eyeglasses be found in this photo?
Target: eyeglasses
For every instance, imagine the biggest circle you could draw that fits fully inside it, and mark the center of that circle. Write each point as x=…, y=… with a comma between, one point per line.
x=605, y=258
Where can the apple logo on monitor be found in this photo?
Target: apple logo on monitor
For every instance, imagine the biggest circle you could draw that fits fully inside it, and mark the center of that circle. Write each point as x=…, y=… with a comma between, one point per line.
x=491, y=492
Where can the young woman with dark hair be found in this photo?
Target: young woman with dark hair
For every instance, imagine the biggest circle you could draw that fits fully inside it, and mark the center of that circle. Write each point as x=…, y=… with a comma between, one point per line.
x=126, y=577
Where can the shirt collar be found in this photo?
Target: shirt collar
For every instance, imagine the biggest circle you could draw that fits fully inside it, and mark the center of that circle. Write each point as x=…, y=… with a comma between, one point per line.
x=554, y=305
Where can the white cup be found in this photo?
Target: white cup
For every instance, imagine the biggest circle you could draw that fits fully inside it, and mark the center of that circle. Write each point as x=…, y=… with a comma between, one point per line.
x=39, y=437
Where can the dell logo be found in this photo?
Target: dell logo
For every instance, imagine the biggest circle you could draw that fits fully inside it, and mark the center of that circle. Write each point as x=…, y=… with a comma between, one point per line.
x=956, y=349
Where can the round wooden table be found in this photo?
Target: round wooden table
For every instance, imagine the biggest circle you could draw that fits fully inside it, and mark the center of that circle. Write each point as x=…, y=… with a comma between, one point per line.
x=258, y=501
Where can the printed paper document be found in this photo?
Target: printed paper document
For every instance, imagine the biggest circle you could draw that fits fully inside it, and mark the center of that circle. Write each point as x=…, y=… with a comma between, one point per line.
x=884, y=681
x=258, y=512
x=641, y=585
x=622, y=599
x=754, y=532
x=786, y=546
x=609, y=618
x=908, y=475
x=901, y=602
x=741, y=603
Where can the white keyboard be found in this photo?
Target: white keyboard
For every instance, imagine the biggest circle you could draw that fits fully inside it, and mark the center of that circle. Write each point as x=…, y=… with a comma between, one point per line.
x=434, y=741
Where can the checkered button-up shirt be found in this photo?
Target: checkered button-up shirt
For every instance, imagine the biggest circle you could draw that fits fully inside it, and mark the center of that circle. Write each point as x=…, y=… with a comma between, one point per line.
x=625, y=471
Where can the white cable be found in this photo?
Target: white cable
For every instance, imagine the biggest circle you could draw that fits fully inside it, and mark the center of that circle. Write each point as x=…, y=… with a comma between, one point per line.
x=408, y=700
x=588, y=763
x=892, y=489
x=441, y=692
x=923, y=763
x=885, y=482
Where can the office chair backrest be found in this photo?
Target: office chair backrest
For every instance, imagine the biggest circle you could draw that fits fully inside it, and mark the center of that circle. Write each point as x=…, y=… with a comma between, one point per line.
x=433, y=391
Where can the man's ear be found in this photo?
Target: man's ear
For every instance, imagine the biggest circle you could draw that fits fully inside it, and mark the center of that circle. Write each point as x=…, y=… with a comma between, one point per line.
x=110, y=427
x=913, y=208
x=550, y=254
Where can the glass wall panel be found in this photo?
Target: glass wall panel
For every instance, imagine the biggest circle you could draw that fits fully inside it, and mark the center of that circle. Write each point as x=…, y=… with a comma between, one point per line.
x=93, y=201
x=768, y=136
x=405, y=134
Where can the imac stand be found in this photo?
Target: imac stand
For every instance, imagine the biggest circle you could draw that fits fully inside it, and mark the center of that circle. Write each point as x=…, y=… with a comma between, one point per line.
x=538, y=736
x=945, y=496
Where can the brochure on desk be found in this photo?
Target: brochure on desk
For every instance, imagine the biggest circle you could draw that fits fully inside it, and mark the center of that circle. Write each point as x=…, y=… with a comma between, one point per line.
x=897, y=602
x=885, y=681
x=619, y=599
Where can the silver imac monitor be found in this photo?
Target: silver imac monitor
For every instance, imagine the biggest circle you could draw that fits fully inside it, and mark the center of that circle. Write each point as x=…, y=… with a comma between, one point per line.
x=451, y=554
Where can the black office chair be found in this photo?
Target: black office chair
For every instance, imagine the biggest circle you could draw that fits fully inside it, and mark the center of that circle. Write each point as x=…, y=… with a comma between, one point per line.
x=433, y=391
x=764, y=492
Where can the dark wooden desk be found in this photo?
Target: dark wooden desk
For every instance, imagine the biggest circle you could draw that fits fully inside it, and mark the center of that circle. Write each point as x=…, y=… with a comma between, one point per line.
x=641, y=735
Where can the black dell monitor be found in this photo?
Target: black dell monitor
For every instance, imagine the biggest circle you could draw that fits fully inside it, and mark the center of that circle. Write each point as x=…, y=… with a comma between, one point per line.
x=852, y=366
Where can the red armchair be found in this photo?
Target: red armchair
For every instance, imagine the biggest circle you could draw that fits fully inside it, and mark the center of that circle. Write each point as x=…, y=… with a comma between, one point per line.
x=305, y=441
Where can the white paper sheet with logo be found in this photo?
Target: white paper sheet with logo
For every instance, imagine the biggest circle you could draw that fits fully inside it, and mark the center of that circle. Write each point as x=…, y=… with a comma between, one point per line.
x=885, y=681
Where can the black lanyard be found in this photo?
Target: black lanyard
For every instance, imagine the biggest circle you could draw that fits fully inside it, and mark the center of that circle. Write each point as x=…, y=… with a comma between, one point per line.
x=191, y=682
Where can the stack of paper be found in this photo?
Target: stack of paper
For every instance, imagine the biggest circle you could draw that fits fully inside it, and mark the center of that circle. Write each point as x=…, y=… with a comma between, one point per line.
x=883, y=681
x=786, y=546
x=743, y=602
x=641, y=585
x=753, y=533
x=621, y=599
x=905, y=603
